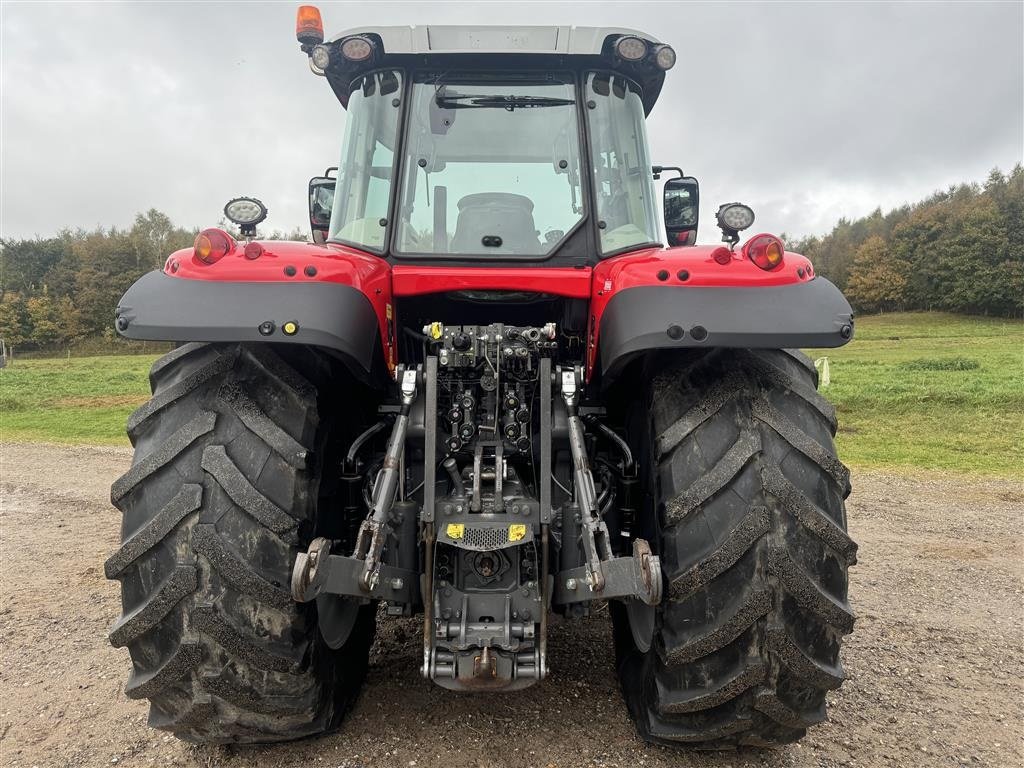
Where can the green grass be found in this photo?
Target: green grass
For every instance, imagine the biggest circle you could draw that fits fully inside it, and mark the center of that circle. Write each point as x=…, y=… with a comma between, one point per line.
x=915, y=390
x=77, y=400
x=931, y=391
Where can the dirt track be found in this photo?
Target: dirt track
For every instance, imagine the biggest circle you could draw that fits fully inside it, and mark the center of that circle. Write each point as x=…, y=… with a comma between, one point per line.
x=935, y=663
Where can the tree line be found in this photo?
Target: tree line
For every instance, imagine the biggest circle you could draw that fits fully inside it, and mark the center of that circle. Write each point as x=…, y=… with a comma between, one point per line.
x=961, y=250
x=58, y=291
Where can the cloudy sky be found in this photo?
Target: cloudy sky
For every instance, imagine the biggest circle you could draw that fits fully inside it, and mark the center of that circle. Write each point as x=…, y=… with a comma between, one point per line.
x=805, y=111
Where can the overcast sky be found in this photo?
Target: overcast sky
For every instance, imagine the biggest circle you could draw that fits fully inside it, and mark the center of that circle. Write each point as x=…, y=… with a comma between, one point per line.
x=807, y=112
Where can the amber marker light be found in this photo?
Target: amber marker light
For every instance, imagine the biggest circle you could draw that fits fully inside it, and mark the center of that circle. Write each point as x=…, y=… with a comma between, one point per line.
x=213, y=244
x=765, y=251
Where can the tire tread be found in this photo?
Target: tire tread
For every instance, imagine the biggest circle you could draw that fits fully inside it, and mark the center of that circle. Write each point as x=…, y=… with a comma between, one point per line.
x=755, y=553
x=223, y=465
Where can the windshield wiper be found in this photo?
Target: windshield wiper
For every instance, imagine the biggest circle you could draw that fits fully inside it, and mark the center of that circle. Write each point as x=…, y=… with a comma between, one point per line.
x=508, y=102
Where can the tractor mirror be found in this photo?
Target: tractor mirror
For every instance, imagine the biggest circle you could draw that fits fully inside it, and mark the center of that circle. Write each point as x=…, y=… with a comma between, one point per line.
x=321, y=201
x=682, y=206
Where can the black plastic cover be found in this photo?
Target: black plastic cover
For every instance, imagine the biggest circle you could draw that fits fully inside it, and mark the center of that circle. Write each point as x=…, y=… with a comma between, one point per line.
x=810, y=314
x=330, y=315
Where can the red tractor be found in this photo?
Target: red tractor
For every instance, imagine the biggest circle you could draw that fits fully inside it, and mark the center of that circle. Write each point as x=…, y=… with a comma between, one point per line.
x=488, y=395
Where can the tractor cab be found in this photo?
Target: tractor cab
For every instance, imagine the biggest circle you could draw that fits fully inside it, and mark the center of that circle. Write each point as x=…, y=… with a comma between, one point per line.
x=509, y=144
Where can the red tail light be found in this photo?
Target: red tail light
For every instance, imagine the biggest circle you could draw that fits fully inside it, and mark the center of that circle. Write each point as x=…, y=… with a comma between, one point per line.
x=765, y=251
x=722, y=255
x=213, y=244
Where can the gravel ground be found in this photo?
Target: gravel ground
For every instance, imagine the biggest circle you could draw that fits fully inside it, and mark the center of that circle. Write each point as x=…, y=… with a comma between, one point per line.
x=935, y=662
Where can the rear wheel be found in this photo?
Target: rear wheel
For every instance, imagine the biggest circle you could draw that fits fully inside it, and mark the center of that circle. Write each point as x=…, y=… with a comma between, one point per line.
x=747, y=506
x=222, y=493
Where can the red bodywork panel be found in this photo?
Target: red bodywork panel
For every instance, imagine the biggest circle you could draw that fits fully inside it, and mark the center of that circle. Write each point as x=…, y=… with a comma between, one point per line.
x=330, y=263
x=560, y=281
x=284, y=262
x=692, y=266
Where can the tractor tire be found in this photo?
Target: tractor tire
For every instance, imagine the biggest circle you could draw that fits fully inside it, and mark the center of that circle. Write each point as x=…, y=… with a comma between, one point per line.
x=222, y=493
x=746, y=500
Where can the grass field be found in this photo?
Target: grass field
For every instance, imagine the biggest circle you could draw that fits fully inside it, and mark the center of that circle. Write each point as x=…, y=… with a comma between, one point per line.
x=915, y=390
x=77, y=400
x=932, y=391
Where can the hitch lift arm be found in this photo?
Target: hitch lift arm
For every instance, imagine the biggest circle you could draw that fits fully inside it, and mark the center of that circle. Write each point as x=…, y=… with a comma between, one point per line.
x=637, y=576
x=317, y=570
x=595, y=533
x=373, y=531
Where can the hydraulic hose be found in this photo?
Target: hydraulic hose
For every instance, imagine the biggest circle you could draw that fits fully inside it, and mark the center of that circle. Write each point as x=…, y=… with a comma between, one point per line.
x=359, y=442
x=628, y=465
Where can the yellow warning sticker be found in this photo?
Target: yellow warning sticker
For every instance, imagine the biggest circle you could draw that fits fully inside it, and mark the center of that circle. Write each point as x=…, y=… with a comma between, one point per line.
x=456, y=530
x=516, y=532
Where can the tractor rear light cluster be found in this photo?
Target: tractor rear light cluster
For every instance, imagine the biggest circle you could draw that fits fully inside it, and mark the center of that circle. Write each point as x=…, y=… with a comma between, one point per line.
x=309, y=31
x=212, y=245
x=765, y=251
x=635, y=49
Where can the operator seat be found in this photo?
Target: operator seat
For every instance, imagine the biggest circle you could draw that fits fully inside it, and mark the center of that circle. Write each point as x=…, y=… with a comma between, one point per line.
x=496, y=214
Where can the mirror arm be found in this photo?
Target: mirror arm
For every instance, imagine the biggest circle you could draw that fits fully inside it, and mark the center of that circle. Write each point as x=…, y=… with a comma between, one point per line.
x=657, y=170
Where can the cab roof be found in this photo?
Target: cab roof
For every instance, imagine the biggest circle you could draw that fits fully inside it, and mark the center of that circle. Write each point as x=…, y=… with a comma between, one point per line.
x=433, y=38
x=494, y=47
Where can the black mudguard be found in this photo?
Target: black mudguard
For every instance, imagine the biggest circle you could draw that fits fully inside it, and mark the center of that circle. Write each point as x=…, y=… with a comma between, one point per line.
x=330, y=315
x=810, y=314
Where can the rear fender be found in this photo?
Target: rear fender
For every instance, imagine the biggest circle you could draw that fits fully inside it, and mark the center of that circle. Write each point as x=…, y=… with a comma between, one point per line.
x=683, y=298
x=292, y=293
